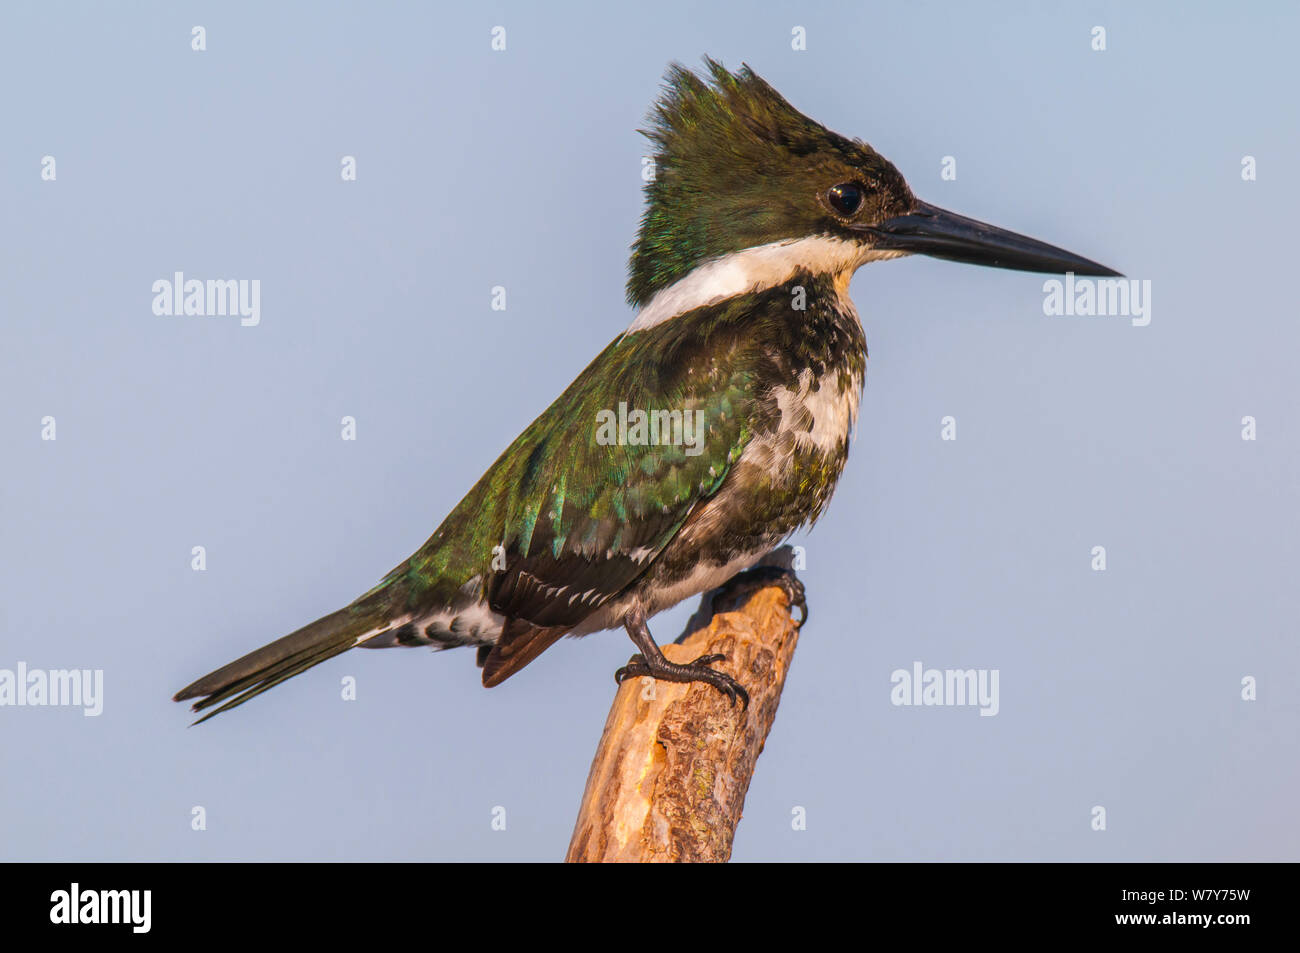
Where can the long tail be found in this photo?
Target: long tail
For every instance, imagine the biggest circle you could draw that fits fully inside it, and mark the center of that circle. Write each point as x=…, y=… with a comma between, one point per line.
x=284, y=658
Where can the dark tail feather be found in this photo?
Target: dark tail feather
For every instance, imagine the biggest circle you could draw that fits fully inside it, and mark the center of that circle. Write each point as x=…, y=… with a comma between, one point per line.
x=272, y=664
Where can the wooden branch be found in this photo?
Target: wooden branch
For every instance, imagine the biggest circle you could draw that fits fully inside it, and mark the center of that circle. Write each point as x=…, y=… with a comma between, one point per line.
x=669, y=779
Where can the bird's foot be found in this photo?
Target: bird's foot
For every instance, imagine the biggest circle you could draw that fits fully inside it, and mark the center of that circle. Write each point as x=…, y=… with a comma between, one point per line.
x=696, y=671
x=760, y=577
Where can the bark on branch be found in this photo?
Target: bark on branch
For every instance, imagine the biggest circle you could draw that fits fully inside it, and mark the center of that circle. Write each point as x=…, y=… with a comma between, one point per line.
x=669, y=779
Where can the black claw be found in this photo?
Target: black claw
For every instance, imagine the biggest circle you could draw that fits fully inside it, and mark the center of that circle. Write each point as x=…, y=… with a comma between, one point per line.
x=697, y=670
x=719, y=680
x=635, y=666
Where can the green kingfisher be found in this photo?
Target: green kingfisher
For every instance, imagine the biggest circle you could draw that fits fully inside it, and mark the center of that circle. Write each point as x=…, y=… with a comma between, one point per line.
x=711, y=429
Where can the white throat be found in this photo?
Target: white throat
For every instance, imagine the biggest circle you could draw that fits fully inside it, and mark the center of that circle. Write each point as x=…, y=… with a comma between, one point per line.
x=755, y=269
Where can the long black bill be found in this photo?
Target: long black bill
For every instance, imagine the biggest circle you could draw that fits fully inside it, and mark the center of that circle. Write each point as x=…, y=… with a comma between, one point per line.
x=928, y=230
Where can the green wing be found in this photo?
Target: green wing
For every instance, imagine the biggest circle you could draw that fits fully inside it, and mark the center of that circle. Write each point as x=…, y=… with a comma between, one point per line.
x=566, y=519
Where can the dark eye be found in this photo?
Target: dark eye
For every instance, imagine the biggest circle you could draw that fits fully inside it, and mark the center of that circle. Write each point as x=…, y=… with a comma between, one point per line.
x=846, y=198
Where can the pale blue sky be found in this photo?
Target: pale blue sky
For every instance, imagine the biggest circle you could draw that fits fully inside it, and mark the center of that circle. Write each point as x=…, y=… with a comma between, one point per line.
x=522, y=169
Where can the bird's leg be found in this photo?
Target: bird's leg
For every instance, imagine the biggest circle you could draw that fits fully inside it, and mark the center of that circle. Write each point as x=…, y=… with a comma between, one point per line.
x=651, y=662
x=760, y=577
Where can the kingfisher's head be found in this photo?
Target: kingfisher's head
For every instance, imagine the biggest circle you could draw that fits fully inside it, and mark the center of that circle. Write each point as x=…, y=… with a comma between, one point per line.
x=740, y=170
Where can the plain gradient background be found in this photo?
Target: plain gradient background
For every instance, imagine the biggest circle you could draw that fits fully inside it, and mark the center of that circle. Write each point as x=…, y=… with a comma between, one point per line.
x=522, y=169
